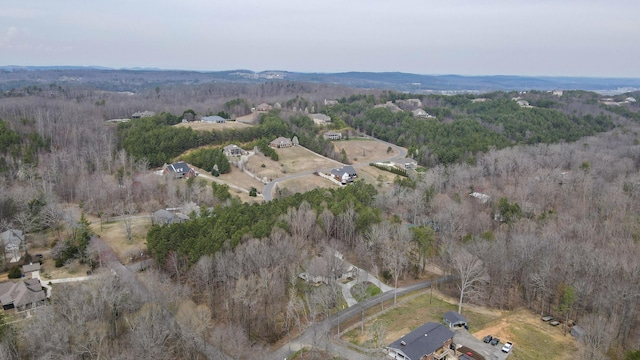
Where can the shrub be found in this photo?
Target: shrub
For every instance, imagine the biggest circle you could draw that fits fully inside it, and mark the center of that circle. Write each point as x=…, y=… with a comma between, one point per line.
x=15, y=273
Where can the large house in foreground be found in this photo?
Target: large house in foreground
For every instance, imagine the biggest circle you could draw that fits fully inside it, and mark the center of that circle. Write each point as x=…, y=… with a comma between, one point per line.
x=431, y=341
x=22, y=295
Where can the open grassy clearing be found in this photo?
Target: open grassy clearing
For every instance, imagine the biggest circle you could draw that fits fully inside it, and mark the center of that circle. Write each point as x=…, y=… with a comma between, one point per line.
x=411, y=314
x=306, y=183
x=364, y=151
x=113, y=232
x=292, y=160
x=200, y=126
x=532, y=338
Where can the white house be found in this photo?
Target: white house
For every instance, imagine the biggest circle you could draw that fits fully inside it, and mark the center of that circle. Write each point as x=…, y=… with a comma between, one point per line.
x=406, y=163
x=332, y=135
x=320, y=119
x=213, y=119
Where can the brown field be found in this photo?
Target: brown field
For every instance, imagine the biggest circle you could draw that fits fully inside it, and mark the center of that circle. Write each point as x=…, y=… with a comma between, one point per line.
x=306, y=183
x=200, y=126
x=114, y=234
x=380, y=178
x=364, y=151
x=292, y=160
x=532, y=338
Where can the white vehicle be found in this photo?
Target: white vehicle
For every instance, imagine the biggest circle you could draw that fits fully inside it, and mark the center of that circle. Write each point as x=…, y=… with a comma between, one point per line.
x=507, y=347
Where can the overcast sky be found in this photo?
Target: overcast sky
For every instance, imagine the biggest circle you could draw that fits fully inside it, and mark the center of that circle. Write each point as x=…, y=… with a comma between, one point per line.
x=468, y=37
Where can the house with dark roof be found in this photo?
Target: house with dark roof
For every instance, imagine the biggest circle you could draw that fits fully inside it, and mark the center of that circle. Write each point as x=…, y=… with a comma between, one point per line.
x=344, y=174
x=232, y=150
x=12, y=240
x=430, y=341
x=21, y=295
x=179, y=170
x=454, y=319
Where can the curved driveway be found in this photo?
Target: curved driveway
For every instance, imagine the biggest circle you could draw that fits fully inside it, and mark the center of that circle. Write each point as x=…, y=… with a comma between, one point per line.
x=267, y=191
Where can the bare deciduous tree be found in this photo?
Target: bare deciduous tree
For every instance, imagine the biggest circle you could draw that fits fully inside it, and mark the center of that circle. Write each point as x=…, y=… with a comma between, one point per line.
x=469, y=269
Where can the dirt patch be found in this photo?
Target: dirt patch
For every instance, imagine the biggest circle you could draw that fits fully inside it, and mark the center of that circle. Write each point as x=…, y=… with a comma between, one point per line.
x=530, y=335
x=200, y=126
x=364, y=151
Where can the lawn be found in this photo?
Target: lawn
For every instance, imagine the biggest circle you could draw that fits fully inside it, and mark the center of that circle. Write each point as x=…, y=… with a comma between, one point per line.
x=532, y=338
x=410, y=315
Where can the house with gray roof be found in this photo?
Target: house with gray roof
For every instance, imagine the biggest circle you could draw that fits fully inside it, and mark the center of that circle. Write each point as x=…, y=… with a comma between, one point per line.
x=232, y=150
x=13, y=241
x=179, y=170
x=213, y=119
x=31, y=271
x=345, y=174
x=281, y=142
x=429, y=341
x=22, y=295
x=162, y=217
x=320, y=119
x=454, y=319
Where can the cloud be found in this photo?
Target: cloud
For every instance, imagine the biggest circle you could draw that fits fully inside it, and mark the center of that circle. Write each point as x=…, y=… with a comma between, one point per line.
x=8, y=37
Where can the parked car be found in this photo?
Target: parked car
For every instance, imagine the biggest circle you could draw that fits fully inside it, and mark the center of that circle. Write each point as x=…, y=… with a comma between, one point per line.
x=506, y=348
x=546, y=318
x=487, y=339
x=495, y=341
x=554, y=323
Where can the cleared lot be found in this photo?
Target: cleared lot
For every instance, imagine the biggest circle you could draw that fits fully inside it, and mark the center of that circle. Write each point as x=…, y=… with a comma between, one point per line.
x=364, y=151
x=292, y=160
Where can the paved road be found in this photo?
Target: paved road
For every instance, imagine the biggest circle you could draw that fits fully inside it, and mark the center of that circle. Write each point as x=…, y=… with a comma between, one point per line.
x=267, y=191
x=316, y=335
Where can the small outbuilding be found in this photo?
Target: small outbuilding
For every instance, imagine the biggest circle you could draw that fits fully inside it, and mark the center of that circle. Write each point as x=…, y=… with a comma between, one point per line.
x=454, y=319
x=577, y=332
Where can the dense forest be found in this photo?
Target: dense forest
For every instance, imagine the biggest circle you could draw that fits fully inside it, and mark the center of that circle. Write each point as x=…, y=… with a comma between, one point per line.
x=561, y=176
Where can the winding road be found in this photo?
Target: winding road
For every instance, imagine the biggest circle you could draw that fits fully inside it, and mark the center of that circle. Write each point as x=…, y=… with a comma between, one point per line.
x=267, y=191
x=319, y=334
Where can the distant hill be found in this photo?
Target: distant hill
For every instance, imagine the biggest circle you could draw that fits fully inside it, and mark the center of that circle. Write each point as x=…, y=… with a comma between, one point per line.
x=135, y=79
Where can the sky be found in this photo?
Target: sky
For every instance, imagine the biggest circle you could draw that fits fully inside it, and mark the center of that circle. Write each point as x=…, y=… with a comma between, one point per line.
x=594, y=38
